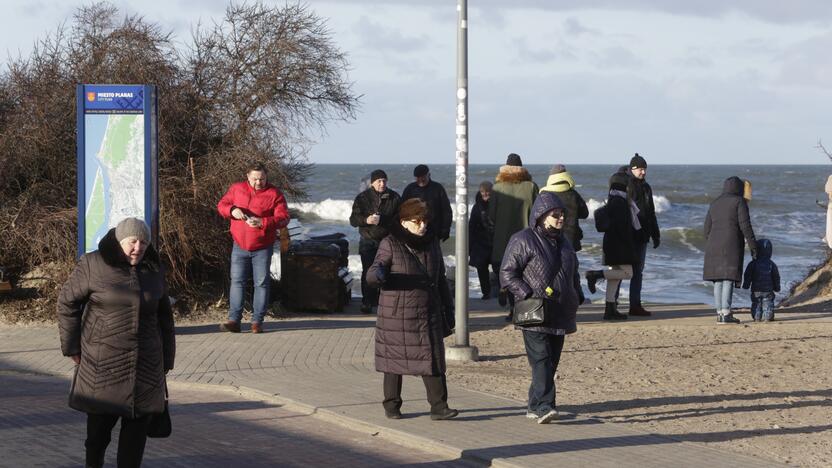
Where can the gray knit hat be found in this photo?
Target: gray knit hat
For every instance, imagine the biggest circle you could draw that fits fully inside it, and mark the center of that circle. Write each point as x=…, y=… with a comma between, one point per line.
x=132, y=227
x=557, y=169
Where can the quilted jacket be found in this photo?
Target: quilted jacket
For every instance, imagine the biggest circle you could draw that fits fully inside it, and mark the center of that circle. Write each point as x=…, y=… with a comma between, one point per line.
x=415, y=311
x=533, y=262
x=118, y=318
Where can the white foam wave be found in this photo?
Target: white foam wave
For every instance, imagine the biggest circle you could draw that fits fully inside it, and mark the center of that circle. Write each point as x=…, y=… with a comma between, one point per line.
x=661, y=203
x=593, y=204
x=338, y=210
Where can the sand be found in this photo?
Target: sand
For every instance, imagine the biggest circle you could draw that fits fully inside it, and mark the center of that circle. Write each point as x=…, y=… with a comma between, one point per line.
x=763, y=389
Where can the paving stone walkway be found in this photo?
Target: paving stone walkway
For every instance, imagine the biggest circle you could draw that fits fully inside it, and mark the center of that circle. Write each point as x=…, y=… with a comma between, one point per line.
x=324, y=366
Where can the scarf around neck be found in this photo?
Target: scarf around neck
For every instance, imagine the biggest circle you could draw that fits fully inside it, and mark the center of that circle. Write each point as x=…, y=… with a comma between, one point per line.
x=633, y=207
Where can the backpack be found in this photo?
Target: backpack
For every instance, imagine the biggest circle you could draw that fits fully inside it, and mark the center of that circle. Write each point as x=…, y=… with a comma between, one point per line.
x=602, y=219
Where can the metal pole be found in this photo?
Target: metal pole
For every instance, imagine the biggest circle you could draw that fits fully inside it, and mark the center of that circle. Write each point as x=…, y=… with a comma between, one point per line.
x=461, y=350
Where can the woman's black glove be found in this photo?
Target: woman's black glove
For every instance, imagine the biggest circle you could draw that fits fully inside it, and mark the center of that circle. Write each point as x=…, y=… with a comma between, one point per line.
x=381, y=274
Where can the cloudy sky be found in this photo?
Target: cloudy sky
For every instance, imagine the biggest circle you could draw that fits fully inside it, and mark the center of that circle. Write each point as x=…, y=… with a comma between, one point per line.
x=572, y=81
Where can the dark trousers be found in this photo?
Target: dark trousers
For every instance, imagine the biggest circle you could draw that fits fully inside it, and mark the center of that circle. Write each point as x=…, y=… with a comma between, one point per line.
x=131, y=439
x=367, y=249
x=485, y=277
x=638, y=269
x=543, y=352
x=435, y=386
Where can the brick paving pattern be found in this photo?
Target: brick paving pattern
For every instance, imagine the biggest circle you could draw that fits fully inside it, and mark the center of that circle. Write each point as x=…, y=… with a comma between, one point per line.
x=325, y=365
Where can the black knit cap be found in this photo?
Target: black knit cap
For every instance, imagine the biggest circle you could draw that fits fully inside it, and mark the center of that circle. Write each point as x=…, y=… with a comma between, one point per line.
x=513, y=159
x=377, y=174
x=618, y=181
x=420, y=170
x=638, y=161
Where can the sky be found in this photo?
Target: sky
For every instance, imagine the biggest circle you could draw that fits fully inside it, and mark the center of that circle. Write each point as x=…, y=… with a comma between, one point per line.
x=568, y=81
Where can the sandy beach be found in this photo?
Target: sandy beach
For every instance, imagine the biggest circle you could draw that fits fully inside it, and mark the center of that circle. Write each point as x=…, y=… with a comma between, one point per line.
x=757, y=388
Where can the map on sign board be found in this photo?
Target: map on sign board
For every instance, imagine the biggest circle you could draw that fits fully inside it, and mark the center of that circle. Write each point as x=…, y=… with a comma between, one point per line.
x=115, y=175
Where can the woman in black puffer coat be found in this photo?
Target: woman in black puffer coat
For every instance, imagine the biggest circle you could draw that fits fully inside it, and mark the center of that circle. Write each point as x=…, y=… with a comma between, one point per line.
x=539, y=263
x=727, y=228
x=415, y=311
x=619, y=244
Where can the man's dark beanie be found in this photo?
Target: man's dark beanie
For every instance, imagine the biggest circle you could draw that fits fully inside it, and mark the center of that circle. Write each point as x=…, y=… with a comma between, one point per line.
x=618, y=181
x=514, y=160
x=638, y=161
x=420, y=171
x=377, y=174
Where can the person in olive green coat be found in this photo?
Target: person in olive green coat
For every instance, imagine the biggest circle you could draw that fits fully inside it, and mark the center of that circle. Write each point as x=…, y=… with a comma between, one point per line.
x=509, y=208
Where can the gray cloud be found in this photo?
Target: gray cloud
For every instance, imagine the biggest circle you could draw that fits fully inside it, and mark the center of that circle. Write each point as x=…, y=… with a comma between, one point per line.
x=375, y=36
x=545, y=53
x=617, y=57
x=573, y=27
x=776, y=11
x=807, y=63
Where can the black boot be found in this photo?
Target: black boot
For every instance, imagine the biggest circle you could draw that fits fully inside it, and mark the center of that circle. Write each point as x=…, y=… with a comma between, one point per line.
x=592, y=277
x=611, y=313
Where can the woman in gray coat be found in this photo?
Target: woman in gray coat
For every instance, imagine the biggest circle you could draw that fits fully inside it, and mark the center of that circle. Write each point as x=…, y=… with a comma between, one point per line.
x=415, y=312
x=117, y=327
x=726, y=226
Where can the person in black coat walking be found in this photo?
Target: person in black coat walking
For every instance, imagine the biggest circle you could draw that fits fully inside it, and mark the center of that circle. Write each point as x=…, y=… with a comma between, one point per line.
x=619, y=244
x=432, y=193
x=372, y=212
x=642, y=194
x=727, y=224
x=539, y=264
x=481, y=240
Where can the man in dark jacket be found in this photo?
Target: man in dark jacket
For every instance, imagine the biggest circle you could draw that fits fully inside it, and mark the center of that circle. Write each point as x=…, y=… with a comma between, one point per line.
x=372, y=212
x=481, y=239
x=539, y=264
x=642, y=194
x=432, y=193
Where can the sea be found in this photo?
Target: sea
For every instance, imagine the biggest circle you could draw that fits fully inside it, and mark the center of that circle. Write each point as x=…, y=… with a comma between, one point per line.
x=785, y=208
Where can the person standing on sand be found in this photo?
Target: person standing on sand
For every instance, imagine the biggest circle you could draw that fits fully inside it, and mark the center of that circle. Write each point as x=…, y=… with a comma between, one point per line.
x=432, y=193
x=481, y=233
x=726, y=225
x=642, y=194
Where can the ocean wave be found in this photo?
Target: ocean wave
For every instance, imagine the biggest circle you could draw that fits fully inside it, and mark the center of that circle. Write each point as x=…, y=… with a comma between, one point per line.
x=691, y=238
x=338, y=210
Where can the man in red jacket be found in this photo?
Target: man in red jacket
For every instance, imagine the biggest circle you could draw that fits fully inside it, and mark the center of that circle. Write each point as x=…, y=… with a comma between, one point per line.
x=257, y=210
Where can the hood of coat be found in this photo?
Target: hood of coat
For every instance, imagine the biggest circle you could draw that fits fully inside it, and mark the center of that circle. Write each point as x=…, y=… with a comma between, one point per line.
x=412, y=240
x=733, y=186
x=544, y=203
x=560, y=182
x=764, y=249
x=513, y=174
x=113, y=255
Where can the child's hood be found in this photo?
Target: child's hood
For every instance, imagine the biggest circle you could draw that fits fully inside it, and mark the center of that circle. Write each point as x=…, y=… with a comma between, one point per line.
x=764, y=248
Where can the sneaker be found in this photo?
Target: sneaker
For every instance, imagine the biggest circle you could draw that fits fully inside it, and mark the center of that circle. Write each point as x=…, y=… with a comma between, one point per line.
x=230, y=326
x=366, y=309
x=548, y=417
x=531, y=414
x=727, y=319
x=256, y=328
x=396, y=414
x=446, y=413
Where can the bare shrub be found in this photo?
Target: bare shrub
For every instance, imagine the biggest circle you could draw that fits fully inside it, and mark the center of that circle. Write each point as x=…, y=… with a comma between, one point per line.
x=258, y=84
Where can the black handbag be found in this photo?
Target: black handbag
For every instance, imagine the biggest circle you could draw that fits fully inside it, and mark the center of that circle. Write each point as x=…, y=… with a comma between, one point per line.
x=159, y=426
x=529, y=313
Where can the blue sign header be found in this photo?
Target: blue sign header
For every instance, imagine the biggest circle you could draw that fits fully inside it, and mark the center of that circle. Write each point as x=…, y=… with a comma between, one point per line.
x=113, y=99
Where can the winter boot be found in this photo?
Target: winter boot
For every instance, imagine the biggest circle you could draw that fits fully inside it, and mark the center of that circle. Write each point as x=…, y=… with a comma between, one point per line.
x=611, y=313
x=592, y=277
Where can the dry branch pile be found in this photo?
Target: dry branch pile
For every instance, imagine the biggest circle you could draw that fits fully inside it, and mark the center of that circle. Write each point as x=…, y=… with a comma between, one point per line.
x=258, y=84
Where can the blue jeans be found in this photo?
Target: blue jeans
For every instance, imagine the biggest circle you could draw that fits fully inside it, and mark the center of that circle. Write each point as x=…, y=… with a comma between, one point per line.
x=638, y=269
x=762, y=305
x=245, y=265
x=723, y=296
x=543, y=352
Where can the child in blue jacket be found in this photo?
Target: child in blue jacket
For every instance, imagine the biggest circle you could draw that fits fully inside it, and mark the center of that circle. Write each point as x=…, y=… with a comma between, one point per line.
x=763, y=277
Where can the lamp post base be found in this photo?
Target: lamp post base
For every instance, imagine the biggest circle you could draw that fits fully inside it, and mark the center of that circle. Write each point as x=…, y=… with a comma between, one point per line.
x=461, y=353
